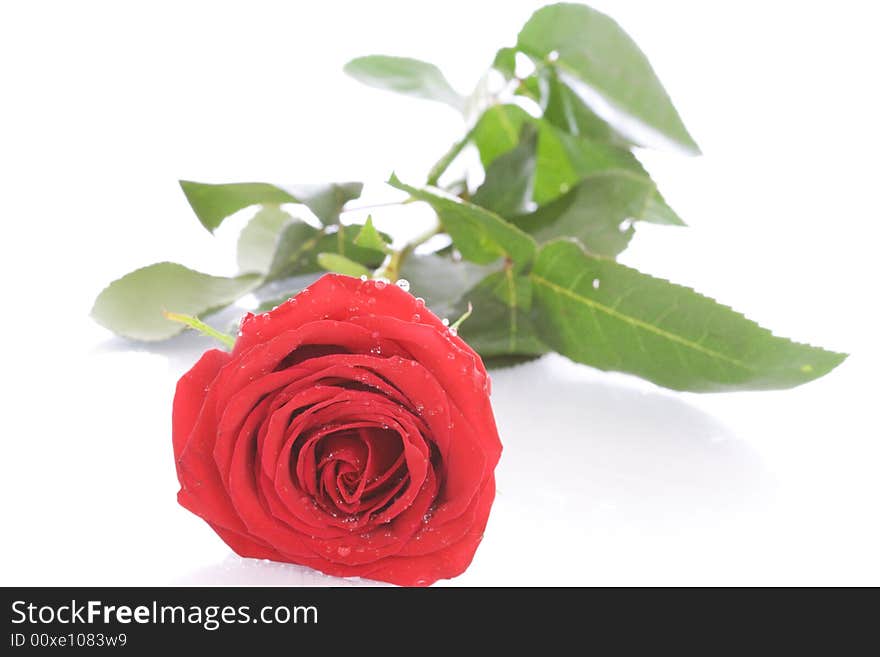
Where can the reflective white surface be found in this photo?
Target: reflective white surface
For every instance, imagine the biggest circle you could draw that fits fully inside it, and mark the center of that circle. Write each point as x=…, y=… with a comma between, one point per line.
x=605, y=479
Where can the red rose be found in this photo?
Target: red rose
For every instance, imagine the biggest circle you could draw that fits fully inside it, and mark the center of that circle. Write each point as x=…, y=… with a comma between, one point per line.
x=349, y=430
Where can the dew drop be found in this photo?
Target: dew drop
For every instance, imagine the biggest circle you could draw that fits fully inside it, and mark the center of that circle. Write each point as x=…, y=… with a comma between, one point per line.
x=403, y=284
x=596, y=283
x=381, y=283
x=453, y=331
x=445, y=322
x=416, y=317
x=363, y=278
x=419, y=301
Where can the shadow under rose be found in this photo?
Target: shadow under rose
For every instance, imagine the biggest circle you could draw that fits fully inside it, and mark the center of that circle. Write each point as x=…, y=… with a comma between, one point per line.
x=236, y=571
x=618, y=452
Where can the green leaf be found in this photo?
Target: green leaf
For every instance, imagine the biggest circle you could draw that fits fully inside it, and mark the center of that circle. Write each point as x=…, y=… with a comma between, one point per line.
x=497, y=131
x=599, y=61
x=370, y=238
x=567, y=112
x=213, y=203
x=326, y=200
x=410, y=77
x=259, y=239
x=601, y=313
x=440, y=281
x=564, y=160
x=341, y=265
x=299, y=245
x=505, y=62
x=297, y=252
x=480, y=235
x=598, y=212
x=133, y=305
x=507, y=189
x=501, y=324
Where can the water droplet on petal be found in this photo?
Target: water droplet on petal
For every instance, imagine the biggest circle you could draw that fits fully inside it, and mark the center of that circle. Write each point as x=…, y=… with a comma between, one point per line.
x=420, y=301
x=364, y=278
x=445, y=322
x=453, y=332
x=416, y=317
x=381, y=283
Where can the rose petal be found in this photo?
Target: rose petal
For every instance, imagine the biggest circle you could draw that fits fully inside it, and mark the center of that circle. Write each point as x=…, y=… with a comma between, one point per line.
x=445, y=563
x=190, y=395
x=340, y=298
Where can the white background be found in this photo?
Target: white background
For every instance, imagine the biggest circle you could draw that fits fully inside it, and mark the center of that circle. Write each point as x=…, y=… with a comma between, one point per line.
x=604, y=479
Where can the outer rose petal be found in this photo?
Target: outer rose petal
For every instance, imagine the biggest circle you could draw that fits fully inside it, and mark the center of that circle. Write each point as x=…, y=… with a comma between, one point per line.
x=190, y=395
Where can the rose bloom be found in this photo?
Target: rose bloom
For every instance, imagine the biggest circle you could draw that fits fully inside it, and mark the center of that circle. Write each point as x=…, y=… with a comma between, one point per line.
x=348, y=430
